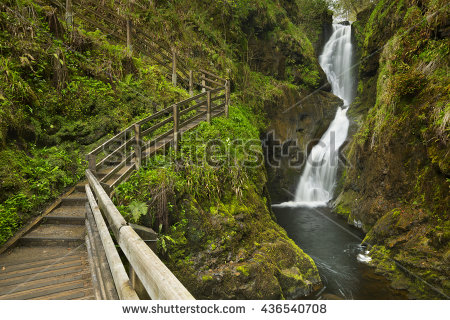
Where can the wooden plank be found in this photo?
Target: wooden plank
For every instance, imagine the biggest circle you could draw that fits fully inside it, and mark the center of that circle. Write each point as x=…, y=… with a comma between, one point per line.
x=121, y=280
x=156, y=149
x=193, y=119
x=217, y=90
x=208, y=107
x=219, y=106
x=191, y=83
x=174, y=67
x=212, y=74
x=117, y=168
x=138, y=145
x=207, y=87
x=158, y=138
x=213, y=82
x=97, y=280
x=219, y=113
x=176, y=120
x=219, y=97
x=182, y=113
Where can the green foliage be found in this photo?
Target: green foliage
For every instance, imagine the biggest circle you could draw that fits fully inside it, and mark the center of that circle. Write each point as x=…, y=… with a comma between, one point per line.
x=29, y=181
x=137, y=209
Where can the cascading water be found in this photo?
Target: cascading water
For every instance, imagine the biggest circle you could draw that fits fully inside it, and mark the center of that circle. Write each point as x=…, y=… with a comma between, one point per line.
x=318, y=180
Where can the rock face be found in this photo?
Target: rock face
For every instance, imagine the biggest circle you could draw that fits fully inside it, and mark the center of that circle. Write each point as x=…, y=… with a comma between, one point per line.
x=296, y=125
x=397, y=184
x=237, y=251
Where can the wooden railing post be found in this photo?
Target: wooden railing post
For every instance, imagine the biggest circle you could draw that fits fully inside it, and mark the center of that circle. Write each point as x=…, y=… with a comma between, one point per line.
x=69, y=13
x=92, y=165
x=138, y=145
x=174, y=66
x=203, y=82
x=129, y=46
x=132, y=278
x=227, y=97
x=176, y=132
x=208, y=106
x=227, y=92
x=191, y=83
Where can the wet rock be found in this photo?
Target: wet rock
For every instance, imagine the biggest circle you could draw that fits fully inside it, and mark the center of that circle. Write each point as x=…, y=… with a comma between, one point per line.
x=297, y=123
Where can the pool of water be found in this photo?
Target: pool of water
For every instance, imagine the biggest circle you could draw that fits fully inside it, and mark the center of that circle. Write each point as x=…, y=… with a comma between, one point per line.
x=334, y=246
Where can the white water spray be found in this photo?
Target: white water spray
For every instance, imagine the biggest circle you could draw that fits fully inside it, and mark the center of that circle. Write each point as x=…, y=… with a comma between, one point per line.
x=318, y=180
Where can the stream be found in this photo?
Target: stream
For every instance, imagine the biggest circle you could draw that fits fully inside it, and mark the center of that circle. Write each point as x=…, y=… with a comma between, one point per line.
x=327, y=239
x=335, y=248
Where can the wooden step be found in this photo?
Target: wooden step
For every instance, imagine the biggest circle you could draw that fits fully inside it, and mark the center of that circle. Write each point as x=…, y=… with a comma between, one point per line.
x=69, y=211
x=44, y=291
x=44, y=273
x=6, y=278
x=32, y=283
x=20, y=255
x=55, y=235
x=37, y=263
x=75, y=294
x=117, y=175
x=64, y=219
x=80, y=186
x=74, y=199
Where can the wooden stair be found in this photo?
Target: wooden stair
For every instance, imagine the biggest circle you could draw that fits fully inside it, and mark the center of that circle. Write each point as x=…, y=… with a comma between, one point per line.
x=51, y=261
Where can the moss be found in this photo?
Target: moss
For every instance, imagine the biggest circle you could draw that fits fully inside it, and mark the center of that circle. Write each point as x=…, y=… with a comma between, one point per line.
x=243, y=270
x=207, y=278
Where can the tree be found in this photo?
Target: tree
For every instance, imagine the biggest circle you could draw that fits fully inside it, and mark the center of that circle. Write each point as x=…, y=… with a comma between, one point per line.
x=348, y=9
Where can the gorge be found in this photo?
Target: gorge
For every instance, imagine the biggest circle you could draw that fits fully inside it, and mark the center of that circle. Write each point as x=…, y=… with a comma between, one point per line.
x=348, y=196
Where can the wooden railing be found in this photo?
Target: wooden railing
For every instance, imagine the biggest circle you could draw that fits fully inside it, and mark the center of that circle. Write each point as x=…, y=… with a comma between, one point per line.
x=147, y=136
x=157, y=279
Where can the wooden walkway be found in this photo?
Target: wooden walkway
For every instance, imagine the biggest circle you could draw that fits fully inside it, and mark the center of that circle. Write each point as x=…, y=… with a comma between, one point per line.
x=51, y=261
x=61, y=256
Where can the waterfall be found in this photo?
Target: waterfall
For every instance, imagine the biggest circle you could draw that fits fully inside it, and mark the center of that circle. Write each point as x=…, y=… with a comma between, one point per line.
x=318, y=180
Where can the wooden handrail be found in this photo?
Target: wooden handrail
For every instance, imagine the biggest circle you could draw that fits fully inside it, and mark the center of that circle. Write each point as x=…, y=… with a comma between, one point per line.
x=158, y=280
x=213, y=82
x=109, y=141
x=211, y=74
x=155, y=115
x=121, y=279
x=200, y=95
x=124, y=145
x=156, y=126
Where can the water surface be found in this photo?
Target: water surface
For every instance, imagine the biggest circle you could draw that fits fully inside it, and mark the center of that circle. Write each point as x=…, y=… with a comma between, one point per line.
x=334, y=246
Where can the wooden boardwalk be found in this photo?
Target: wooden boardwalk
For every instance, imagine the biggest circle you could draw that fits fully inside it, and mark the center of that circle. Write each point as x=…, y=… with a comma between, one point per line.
x=61, y=256
x=51, y=261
